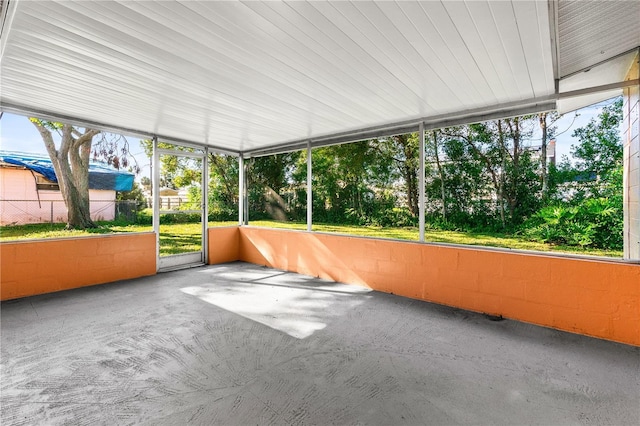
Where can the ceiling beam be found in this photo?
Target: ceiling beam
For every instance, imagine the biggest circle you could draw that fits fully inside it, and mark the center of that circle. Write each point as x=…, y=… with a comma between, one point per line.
x=596, y=89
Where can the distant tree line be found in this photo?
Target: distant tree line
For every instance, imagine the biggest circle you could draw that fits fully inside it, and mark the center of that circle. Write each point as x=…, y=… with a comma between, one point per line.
x=480, y=177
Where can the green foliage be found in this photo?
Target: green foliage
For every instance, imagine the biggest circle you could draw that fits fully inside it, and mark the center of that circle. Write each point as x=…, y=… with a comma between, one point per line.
x=600, y=148
x=130, y=203
x=592, y=223
x=135, y=194
x=483, y=177
x=175, y=234
x=586, y=207
x=394, y=217
x=145, y=217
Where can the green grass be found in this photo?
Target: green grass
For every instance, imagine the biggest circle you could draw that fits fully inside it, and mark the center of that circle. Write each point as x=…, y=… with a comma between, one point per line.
x=185, y=237
x=56, y=230
x=439, y=236
x=178, y=238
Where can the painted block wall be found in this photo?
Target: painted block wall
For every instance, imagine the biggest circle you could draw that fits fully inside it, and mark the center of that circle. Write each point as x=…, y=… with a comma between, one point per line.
x=34, y=267
x=631, y=140
x=223, y=245
x=593, y=297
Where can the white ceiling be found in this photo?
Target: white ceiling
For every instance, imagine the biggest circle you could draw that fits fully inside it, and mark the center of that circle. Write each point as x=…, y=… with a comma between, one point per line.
x=593, y=38
x=594, y=31
x=248, y=76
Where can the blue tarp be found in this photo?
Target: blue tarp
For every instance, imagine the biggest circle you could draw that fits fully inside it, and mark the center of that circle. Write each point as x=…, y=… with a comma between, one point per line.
x=101, y=176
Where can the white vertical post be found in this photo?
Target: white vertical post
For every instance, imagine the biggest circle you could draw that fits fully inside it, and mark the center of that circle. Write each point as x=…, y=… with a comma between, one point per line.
x=245, y=185
x=156, y=195
x=631, y=165
x=205, y=206
x=309, y=188
x=421, y=207
x=241, y=190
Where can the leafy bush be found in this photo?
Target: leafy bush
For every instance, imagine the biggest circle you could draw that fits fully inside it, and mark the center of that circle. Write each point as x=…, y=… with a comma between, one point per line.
x=394, y=217
x=593, y=223
x=145, y=217
x=221, y=214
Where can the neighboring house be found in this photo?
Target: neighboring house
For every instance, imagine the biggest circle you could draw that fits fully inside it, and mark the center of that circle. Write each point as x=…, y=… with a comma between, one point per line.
x=29, y=191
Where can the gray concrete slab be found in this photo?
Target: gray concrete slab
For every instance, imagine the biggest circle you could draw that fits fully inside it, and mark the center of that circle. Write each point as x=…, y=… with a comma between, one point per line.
x=240, y=344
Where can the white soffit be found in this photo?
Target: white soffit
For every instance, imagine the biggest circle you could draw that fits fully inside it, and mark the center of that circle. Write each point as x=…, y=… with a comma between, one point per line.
x=574, y=103
x=613, y=71
x=591, y=32
x=243, y=76
x=593, y=38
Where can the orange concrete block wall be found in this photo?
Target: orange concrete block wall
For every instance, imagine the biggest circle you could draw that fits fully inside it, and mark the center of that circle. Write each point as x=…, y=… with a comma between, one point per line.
x=223, y=244
x=45, y=266
x=598, y=298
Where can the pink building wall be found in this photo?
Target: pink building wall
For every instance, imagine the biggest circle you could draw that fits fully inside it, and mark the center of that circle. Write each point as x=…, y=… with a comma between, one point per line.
x=19, y=201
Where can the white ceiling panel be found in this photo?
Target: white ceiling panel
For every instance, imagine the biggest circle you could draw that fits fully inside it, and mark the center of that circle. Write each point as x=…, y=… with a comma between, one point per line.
x=594, y=31
x=245, y=76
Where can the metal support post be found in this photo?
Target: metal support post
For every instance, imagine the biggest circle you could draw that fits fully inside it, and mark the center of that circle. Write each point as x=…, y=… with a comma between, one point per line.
x=205, y=206
x=421, y=177
x=156, y=194
x=241, y=190
x=245, y=180
x=309, y=188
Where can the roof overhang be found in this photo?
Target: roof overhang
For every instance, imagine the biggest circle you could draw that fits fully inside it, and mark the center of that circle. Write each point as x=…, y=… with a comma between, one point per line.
x=265, y=77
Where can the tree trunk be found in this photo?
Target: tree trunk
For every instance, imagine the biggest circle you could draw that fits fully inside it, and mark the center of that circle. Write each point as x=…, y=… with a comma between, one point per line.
x=515, y=133
x=222, y=170
x=500, y=194
x=409, y=173
x=441, y=174
x=543, y=153
x=71, y=165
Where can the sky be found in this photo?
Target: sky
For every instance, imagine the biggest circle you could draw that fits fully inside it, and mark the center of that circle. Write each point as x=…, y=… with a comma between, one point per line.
x=18, y=134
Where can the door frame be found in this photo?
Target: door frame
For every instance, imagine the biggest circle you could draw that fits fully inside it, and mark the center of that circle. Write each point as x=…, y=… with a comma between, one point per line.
x=182, y=260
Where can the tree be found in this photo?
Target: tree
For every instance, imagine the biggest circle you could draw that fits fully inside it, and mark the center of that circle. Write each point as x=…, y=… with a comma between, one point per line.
x=441, y=175
x=403, y=150
x=146, y=183
x=180, y=172
x=588, y=209
x=599, y=149
x=546, y=121
x=267, y=178
x=71, y=163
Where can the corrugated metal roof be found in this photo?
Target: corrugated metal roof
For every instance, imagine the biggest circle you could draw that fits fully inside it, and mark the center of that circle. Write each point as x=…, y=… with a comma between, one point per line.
x=252, y=75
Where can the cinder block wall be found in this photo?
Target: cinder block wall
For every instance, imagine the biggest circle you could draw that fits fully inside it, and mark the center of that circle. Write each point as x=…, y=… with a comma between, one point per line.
x=631, y=140
x=597, y=298
x=33, y=267
x=223, y=245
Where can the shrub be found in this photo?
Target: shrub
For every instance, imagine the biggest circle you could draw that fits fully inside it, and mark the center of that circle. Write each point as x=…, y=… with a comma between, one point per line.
x=394, y=217
x=593, y=222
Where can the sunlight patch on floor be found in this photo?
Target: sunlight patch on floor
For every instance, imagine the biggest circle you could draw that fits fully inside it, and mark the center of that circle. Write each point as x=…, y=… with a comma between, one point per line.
x=293, y=308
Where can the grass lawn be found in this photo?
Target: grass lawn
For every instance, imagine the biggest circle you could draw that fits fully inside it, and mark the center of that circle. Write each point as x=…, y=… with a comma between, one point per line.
x=56, y=230
x=178, y=238
x=185, y=237
x=438, y=236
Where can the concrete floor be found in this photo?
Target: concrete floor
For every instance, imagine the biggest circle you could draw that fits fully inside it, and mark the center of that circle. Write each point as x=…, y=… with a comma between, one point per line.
x=240, y=344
